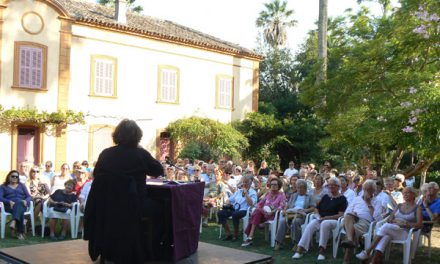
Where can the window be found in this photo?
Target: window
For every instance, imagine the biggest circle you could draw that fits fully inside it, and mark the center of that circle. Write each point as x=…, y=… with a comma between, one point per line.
x=30, y=64
x=224, y=92
x=100, y=138
x=103, y=76
x=168, y=85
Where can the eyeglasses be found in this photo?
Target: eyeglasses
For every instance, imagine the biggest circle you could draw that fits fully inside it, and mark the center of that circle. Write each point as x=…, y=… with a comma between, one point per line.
x=14, y=176
x=48, y=166
x=35, y=171
x=274, y=184
x=196, y=170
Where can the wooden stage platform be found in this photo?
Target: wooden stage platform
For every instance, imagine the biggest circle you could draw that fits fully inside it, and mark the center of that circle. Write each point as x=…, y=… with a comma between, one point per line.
x=75, y=252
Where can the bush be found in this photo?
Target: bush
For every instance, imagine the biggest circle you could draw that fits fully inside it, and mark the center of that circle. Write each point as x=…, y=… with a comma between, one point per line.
x=197, y=150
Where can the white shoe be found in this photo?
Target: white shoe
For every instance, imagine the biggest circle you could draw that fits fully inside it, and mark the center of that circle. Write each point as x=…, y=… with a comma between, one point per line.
x=363, y=255
x=321, y=257
x=297, y=255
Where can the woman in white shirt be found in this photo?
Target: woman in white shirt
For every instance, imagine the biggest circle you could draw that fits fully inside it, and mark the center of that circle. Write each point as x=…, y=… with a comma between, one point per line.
x=57, y=182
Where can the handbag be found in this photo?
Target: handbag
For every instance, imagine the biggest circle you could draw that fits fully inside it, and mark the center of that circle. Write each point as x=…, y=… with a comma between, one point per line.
x=60, y=209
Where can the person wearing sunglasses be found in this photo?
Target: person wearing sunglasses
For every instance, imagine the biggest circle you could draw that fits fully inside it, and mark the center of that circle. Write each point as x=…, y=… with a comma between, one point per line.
x=15, y=198
x=38, y=189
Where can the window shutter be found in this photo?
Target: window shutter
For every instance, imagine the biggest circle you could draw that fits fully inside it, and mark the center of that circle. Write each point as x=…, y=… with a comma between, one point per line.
x=169, y=86
x=31, y=67
x=104, y=77
x=225, y=93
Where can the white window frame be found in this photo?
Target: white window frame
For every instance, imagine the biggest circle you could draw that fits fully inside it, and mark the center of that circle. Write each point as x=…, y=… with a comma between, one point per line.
x=224, y=98
x=168, y=91
x=97, y=79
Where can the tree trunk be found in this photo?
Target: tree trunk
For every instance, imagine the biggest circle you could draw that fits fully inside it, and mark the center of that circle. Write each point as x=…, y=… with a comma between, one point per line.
x=420, y=167
x=322, y=41
x=397, y=158
x=423, y=176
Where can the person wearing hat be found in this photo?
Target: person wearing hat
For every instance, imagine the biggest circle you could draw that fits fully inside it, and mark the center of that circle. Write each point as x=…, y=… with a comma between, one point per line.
x=399, y=179
x=80, y=179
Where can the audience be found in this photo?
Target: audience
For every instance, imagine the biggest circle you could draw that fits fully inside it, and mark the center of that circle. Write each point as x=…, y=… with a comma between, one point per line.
x=58, y=181
x=38, y=188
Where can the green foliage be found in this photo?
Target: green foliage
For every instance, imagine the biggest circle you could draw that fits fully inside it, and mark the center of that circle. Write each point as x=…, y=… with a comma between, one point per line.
x=130, y=4
x=223, y=139
x=197, y=150
x=43, y=118
x=382, y=92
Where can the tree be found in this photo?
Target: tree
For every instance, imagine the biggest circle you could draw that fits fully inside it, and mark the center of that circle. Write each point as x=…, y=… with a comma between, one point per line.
x=222, y=139
x=322, y=41
x=274, y=21
x=130, y=5
x=382, y=96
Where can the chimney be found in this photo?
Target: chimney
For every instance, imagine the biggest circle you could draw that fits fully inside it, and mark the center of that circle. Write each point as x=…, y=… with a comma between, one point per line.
x=121, y=11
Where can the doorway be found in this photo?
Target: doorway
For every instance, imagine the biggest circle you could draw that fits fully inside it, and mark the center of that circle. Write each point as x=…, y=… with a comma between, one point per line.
x=28, y=144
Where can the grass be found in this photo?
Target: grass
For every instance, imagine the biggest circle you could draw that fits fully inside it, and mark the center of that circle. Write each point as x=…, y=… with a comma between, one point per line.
x=210, y=235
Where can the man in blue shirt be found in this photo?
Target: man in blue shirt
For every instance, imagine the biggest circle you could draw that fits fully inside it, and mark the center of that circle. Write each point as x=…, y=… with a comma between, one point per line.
x=431, y=206
x=239, y=203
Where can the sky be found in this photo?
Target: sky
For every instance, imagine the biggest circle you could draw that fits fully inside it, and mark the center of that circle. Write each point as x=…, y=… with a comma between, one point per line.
x=234, y=20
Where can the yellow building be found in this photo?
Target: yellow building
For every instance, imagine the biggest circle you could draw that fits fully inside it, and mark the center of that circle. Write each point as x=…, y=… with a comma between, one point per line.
x=68, y=54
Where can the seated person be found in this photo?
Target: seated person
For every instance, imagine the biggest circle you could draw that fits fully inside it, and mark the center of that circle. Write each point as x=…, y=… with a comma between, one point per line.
x=60, y=202
x=347, y=192
x=329, y=209
x=406, y=216
x=397, y=195
x=215, y=193
x=291, y=186
x=299, y=204
x=266, y=208
x=358, y=216
x=318, y=192
x=430, y=207
x=81, y=177
x=240, y=201
x=38, y=189
x=16, y=199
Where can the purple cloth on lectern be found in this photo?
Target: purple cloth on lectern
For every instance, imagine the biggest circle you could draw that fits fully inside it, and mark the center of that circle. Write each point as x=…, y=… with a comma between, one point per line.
x=186, y=212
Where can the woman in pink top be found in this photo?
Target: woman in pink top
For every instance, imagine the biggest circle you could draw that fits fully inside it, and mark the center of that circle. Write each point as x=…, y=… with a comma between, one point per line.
x=275, y=200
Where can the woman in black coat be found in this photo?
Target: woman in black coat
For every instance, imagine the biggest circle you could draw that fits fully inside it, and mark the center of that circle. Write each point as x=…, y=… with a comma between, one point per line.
x=112, y=219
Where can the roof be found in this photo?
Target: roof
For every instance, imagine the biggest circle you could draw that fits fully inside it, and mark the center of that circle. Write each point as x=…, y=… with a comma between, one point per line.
x=96, y=14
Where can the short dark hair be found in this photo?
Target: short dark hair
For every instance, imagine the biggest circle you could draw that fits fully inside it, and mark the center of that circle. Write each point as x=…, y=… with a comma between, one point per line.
x=279, y=182
x=127, y=133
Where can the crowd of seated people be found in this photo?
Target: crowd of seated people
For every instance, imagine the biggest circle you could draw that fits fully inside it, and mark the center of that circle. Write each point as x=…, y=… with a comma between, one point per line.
x=39, y=184
x=357, y=198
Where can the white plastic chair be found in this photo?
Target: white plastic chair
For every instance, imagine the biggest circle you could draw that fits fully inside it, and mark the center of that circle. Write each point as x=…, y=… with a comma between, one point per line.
x=271, y=228
x=340, y=230
x=78, y=215
x=245, y=220
x=409, y=246
x=4, y=215
x=49, y=213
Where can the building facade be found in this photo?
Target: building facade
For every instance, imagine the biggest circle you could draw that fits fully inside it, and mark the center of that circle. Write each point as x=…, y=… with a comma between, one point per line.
x=73, y=55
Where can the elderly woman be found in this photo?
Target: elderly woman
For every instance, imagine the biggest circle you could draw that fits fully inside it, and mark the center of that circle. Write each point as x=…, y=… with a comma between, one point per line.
x=38, y=189
x=406, y=216
x=329, y=209
x=318, y=192
x=15, y=198
x=358, y=216
x=299, y=204
x=266, y=208
x=61, y=201
x=239, y=202
x=390, y=189
x=430, y=206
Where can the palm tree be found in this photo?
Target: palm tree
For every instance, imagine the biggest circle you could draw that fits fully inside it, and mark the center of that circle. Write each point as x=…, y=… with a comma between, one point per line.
x=274, y=20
